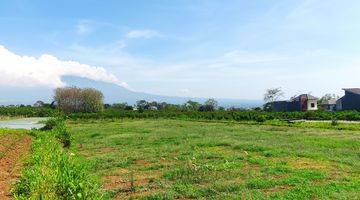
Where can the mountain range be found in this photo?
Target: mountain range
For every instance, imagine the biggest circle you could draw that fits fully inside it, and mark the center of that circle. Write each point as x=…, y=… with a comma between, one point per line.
x=113, y=94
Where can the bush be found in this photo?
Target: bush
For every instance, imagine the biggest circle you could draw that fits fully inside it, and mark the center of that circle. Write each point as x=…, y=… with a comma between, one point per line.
x=63, y=135
x=260, y=118
x=59, y=129
x=334, y=122
x=50, y=124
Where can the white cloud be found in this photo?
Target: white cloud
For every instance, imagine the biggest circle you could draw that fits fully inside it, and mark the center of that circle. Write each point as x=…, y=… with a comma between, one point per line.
x=142, y=34
x=26, y=71
x=88, y=26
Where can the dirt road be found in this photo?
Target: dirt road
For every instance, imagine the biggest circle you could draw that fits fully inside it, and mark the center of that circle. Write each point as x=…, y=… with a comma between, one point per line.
x=13, y=150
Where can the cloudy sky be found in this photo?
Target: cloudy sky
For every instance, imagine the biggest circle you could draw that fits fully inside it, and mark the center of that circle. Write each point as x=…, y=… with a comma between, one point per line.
x=207, y=48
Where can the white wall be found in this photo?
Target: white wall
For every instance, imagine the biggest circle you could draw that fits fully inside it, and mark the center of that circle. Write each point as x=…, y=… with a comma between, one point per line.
x=309, y=102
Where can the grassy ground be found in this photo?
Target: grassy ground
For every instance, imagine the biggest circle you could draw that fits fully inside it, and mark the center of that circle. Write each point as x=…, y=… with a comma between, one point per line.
x=167, y=159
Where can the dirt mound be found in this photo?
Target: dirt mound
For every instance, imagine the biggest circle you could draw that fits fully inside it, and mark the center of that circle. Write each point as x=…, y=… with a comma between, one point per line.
x=13, y=148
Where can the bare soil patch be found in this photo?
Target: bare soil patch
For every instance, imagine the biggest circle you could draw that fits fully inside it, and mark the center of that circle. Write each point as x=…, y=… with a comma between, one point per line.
x=13, y=148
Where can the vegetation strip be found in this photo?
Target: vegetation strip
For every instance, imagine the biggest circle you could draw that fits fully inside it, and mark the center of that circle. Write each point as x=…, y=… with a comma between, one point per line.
x=54, y=172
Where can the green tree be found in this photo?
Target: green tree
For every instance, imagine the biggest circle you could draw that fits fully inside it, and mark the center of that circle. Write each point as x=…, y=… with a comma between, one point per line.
x=212, y=103
x=142, y=105
x=92, y=100
x=209, y=105
x=192, y=105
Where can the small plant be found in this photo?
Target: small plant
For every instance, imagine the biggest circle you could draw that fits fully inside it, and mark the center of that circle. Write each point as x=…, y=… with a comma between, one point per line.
x=260, y=118
x=132, y=182
x=334, y=122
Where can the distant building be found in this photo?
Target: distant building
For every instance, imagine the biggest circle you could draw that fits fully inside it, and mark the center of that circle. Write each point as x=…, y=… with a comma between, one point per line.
x=350, y=101
x=304, y=102
x=330, y=105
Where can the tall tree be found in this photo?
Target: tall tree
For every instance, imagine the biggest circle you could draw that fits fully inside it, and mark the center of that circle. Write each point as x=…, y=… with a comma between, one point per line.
x=142, y=105
x=73, y=99
x=92, y=100
x=209, y=105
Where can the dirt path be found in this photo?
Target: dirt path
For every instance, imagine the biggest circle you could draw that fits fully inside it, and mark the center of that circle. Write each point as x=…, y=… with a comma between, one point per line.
x=13, y=148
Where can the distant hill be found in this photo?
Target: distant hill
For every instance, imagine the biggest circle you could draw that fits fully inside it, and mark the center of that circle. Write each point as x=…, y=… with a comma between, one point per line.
x=112, y=92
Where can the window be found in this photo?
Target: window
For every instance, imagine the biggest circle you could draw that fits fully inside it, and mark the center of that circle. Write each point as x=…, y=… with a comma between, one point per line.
x=313, y=105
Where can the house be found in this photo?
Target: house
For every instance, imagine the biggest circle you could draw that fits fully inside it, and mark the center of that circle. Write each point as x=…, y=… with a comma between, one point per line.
x=350, y=101
x=304, y=102
x=330, y=105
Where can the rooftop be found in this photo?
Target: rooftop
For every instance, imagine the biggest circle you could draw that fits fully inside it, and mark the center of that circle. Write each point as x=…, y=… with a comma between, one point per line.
x=352, y=90
x=330, y=102
x=307, y=96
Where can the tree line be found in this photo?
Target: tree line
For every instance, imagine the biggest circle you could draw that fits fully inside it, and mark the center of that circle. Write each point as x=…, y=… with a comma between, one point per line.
x=89, y=100
x=74, y=100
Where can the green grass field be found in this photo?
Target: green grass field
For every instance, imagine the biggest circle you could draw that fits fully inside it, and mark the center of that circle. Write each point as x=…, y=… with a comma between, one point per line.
x=176, y=159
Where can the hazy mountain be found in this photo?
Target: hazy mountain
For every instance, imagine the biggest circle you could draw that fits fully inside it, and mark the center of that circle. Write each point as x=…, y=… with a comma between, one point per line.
x=112, y=92
x=24, y=95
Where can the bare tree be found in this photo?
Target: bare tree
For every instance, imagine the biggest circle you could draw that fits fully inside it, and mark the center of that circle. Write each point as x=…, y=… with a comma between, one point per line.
x=327, y=97
x=73, y=99
x=273, y=94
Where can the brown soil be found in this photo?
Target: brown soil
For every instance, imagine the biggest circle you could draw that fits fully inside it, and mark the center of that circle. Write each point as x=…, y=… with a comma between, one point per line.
x=277, y=189
x=121, y=183
x=13, y=148
x=142, y=163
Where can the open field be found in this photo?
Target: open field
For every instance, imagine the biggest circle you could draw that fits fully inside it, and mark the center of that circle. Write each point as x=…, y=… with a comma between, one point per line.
x=14, y=147
x=168, y=159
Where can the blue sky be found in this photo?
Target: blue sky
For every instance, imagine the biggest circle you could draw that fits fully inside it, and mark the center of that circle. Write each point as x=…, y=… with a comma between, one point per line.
x=224, y=49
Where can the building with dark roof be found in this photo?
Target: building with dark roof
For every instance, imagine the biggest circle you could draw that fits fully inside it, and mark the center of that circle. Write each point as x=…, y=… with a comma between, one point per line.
x=350, y=101
x=304, y=102
x=329, y=105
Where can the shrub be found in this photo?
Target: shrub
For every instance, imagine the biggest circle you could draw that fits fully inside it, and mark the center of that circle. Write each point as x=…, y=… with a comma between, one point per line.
x=59, y=129
x=334, y=122
x=50, y=124
x=63, y=135
x=260, y=118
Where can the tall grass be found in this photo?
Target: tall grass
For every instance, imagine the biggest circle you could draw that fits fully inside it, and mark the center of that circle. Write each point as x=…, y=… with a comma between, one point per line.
x=53, y=172
x=58, y=127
